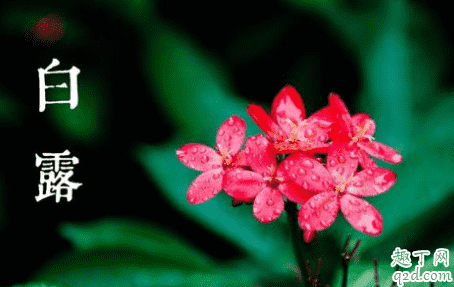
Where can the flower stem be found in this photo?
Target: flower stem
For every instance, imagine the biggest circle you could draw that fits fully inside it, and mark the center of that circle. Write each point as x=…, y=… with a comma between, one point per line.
x=292, y=213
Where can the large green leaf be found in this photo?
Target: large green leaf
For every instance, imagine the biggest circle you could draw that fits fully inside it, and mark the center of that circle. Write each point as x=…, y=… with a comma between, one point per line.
x=127, y=234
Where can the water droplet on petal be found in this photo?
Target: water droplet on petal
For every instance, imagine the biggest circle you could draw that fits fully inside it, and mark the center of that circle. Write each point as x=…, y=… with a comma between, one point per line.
x=307, y=226
x=181, y=153
x=353, y=201
x=312, y=204
x=305, y=185
x=369, y=172
x=214, y=166
x=255, y=209
x=354, y=154
x=194, y=150
x=230, y=121
x=235, y=129
x=376, y=224
x=269, y=202
x=340, y=170
x=332, y=162
x=291, y=162
x=358, y=183
x=247, y=150
x=192, y=158
x=308, y=163
x=185, y=161
x=325, y=184
x=204, y=159
x=341, y=158
x=322, y=138
x=309, y=133
x=216, y=176
x=192, y=200
x=305, y=216
x=293, y=176
x=324, y=223
x=301, y=171
x=221, y=132
x=277, y=211
x=315, y=177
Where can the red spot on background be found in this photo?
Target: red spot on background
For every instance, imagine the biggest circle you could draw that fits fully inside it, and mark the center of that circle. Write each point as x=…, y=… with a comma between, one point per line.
x=46, y=30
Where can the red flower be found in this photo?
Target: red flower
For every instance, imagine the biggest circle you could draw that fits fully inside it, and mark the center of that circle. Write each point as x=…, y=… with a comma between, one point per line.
x=320, y=211
x=358, y=130
x=229, y=139
x=287, y=128
x=266, y=183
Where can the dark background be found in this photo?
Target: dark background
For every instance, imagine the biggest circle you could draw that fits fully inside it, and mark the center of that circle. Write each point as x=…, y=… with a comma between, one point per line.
x=158, y=74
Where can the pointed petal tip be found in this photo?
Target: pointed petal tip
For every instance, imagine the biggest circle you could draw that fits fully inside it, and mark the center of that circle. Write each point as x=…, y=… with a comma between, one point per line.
x=397, y=158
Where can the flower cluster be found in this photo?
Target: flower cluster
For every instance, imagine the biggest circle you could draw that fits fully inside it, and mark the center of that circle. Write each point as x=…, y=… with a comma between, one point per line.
x=321, y=163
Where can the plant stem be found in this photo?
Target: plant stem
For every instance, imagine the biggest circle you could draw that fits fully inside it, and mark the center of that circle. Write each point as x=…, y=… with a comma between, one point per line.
x=292, y=213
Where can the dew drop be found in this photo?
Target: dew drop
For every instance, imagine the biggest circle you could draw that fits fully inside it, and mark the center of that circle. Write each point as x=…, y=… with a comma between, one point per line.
x=309, y=133
x=305, y=185
x=195, y=150
x=301, y=171
x=255, y=209
x=214, y=166
x=340, y=170
x=291, y=163
x=277, y=211
x=353, y=202
x=203, y=149
x=293, y=176
x=286, y=167
x=315, y=177
x=325, y=184
x=247, y=150
x=358, y=183
x=308, y=163
x=305, y=216
x=369, y=172
x=312, y=204
x=322, y=138
x=353, y=154
x=235, y=129
x=332, y=162
x=215, y=192
x=192, y=158
x=269, y=202
x=307, y=226
x=230, y=121
x=216, y=176
x=376, y=224
x=192, y=200
x=324, y=223
x=185, y=161
x=204, y=159
x=221, y=132
x=205, y=198
x=341, y=159
x=181, y=153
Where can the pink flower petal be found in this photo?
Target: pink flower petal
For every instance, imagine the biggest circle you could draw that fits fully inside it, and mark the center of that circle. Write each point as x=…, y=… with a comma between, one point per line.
x=360, y=120
x=309, y=235
x=265, y=122
x=295, y=193
x=231, y=134
x=268, y=205
x=205, y=186
x=240, y=159
x=306, y=172
x=259, y=154
x=362, y=215
x=199, y=157
x=319, y=212
x=365, y=161
x=381, y=151
x=371, y=182
x=243, y=184
x=288, y=106
x=342, y=112
x=342, y=161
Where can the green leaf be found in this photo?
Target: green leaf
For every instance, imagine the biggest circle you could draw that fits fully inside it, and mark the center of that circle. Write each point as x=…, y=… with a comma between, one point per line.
x=109, y=268
x=126, y=234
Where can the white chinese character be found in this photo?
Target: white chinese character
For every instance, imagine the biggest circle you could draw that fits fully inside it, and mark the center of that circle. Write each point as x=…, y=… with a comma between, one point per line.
x=55, y=172
x=441, y=255
x=73, y=96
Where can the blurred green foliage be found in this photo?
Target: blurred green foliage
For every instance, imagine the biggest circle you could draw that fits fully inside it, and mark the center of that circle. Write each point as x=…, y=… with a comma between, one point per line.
x=160, y=75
